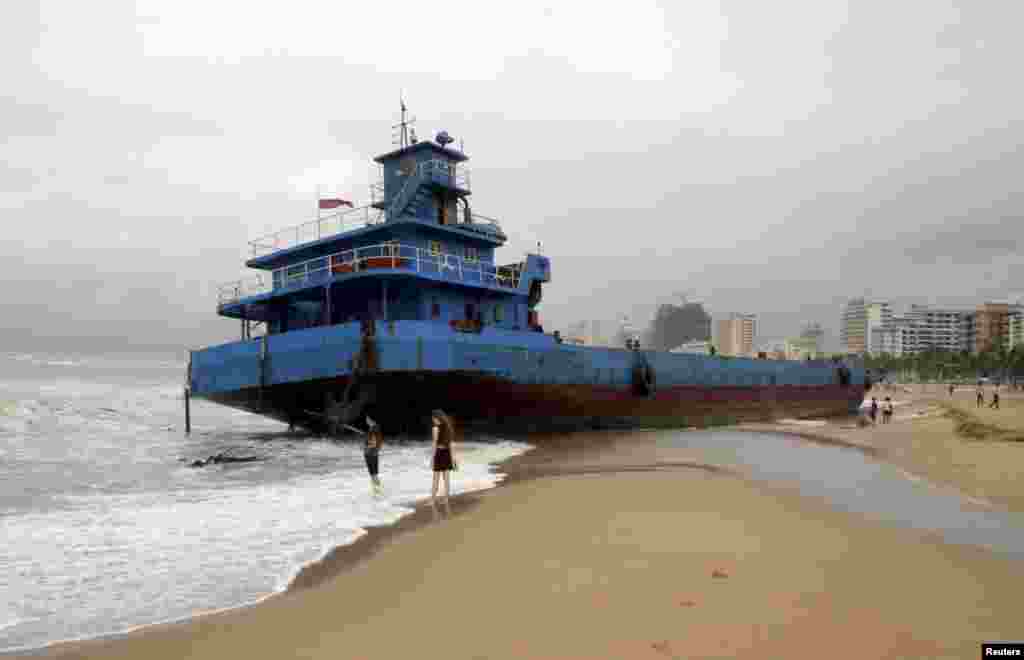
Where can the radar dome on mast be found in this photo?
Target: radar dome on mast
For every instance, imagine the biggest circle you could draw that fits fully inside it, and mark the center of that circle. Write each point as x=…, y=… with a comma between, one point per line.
x=444, y=139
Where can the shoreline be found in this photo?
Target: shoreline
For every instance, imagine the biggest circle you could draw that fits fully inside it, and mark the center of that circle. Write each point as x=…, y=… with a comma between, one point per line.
x=534, y=463
x=569, y=457
x=334, y=561
x=924, y=440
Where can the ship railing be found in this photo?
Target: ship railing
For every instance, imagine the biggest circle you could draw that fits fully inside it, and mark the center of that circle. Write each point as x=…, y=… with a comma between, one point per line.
x=446, y=172
x=230, y=292
x=393, y=255
x=337, y=222
x=485, y=223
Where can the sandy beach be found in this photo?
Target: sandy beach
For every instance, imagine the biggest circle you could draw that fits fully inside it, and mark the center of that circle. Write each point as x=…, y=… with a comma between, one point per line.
x=613, y=545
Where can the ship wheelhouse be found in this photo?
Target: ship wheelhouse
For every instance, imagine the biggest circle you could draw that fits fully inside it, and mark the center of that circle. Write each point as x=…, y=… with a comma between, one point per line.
x=416, y=253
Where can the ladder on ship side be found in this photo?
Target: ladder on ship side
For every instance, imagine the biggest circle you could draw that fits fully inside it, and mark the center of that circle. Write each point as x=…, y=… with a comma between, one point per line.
x=405, y=196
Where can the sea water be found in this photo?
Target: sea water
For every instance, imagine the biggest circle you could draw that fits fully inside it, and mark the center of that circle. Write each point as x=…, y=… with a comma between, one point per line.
x=105, y=527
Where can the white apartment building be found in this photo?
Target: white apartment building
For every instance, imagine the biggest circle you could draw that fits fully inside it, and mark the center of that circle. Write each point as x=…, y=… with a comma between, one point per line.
x=1015, y=335
x=802, y=348
x=924, y=328
x=859, y=321
x=941, y=328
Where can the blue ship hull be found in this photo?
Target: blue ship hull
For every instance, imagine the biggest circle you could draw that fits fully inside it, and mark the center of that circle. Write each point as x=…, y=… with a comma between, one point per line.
x=506, y=380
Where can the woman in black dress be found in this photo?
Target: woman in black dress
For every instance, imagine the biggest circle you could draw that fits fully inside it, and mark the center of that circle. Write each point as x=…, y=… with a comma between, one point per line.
x=443, y=461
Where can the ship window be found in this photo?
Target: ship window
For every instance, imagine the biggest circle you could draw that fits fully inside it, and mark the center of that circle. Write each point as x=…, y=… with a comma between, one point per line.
x=435, y=310
x=435, y=248
x=499, y=313
x=472, y=254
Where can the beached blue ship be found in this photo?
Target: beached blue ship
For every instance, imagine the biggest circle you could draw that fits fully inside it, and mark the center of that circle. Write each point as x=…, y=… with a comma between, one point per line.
x=399, y=307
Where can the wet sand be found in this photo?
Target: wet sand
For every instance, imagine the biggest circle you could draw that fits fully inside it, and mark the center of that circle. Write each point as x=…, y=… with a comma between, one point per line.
x=924, y=439
x=611, y=545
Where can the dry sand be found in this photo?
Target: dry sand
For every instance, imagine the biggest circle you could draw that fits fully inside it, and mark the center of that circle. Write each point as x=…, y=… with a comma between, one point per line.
x=609, y=546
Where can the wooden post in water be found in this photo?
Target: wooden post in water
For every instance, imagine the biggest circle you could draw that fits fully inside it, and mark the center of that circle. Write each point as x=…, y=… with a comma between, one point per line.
x=188, y=415
x=188, y=395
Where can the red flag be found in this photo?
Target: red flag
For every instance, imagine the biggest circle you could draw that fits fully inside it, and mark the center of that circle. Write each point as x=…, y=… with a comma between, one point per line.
x=334, y=203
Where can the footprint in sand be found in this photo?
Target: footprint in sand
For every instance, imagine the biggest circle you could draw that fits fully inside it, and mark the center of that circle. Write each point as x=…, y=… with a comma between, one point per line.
x=661, y=647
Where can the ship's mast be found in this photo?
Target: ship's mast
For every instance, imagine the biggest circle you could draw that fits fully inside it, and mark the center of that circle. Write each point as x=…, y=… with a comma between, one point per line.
x=403, y=126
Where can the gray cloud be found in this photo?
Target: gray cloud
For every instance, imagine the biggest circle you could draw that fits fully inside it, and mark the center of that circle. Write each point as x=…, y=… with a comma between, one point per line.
x=771, y=161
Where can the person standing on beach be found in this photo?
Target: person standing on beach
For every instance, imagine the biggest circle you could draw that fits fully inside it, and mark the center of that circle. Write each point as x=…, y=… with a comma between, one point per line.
x=995, y=400
x=443, y=461
x=887, y=411
x=371, y=452
x=951, y=388
x=981, y=397
x=874, y=410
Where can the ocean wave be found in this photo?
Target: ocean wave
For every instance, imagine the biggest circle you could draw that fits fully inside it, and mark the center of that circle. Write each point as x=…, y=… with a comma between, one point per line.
x=171, y=553
x=10, y=623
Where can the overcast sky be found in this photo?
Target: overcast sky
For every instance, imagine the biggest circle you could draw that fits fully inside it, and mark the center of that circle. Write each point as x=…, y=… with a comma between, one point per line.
x=769, y=158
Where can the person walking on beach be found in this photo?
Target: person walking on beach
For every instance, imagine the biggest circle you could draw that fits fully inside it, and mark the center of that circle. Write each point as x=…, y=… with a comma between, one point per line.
x=981, y=397
x=887, y=411
x=951, y=388
x=371, y=452
x=443, y=461
x=874, y=410
x=995, y=400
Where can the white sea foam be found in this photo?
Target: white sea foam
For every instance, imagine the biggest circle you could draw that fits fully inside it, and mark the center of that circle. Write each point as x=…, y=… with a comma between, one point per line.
x=105, y=529
x=108, y=562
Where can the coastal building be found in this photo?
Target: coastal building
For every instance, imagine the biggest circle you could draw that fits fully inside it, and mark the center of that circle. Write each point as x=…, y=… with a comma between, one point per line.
x=938, y=328
x=695, y=346
x=736, y=334
x=990, y=327
x=677, y=324
x=815, y=333
x=802, y=348
x=772, y=351
x=860, y=318
x=1015, y=329
x=808, y=345
x=925, y=328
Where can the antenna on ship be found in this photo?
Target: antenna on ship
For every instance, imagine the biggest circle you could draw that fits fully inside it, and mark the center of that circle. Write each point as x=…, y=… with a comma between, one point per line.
x=403, y=127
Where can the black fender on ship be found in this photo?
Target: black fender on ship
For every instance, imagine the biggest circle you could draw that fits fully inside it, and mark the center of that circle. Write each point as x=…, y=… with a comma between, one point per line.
x=644, y=379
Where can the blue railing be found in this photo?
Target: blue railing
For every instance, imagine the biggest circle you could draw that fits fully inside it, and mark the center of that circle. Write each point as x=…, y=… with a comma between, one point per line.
x=398, y=256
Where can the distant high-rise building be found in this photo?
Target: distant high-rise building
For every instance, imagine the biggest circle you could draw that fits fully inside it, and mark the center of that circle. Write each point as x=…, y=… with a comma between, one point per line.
x=812, y=336
x=939, y=328
x=736, y=334
x=991, y=326
x=860, y=318
x=925, y=328
x=1015, y=328
x=802, y=348
x=677, y=324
